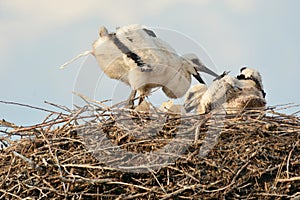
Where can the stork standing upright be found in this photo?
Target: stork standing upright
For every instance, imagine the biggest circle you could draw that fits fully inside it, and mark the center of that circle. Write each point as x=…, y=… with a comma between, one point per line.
x=136, y=56
x=232, y=94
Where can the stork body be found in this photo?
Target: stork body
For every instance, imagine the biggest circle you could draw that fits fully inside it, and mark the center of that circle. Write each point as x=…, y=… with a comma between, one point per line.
x=136, y=56
x=231, y=94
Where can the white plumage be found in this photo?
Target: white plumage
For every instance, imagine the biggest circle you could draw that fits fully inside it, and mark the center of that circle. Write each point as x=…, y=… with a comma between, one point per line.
x=231, y=94
x=171, y=108
x=137, y=57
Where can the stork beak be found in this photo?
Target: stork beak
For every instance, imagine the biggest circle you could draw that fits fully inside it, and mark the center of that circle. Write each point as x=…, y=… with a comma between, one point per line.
x=202, y=68
x=199, y=66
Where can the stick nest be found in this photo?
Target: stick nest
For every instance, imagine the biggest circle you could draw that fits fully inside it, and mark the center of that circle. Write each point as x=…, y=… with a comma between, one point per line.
x=95, y=152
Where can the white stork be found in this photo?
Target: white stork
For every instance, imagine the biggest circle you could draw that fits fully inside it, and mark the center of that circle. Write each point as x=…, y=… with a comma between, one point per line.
x=232, y=94
x=136, y=56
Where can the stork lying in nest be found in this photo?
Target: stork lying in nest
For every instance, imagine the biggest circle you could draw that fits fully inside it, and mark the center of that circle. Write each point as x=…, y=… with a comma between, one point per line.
x=231, y=94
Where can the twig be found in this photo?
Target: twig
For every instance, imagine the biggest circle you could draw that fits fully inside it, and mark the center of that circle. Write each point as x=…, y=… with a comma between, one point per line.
x=88, y=100
x=160, y=185
x=76, y=58
x=233, y=180
x=56, y=160
x=289, y=179
x=51, y=123
x=73, y=117
x=28, y=106
x=59, y=106
x=289, y=157
x=80, y=179
x=11, y=194
x=178, y=191
x=129, y=184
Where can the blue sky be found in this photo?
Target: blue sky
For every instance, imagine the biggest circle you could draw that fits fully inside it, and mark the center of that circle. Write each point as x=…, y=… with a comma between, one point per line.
x=36, y=37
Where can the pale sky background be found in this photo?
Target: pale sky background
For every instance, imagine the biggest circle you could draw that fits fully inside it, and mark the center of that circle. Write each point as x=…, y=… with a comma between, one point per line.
x=36, y=37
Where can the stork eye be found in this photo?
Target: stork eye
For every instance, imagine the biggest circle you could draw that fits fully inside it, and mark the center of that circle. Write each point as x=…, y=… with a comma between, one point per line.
x=241, y=77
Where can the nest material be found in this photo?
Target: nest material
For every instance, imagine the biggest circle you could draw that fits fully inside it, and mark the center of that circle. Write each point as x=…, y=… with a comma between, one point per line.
x=248, y=156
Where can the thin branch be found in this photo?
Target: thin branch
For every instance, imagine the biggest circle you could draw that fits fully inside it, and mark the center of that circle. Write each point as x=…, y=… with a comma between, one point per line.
x=28, y=106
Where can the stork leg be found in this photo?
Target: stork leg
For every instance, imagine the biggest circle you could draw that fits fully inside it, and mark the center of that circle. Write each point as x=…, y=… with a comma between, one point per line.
x=131, y=98
x=141, y=98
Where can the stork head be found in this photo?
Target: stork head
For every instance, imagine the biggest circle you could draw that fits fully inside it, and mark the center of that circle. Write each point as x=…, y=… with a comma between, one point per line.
x=104, y=35
x=197, y=66
x=103, y=31
x=252, y=74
